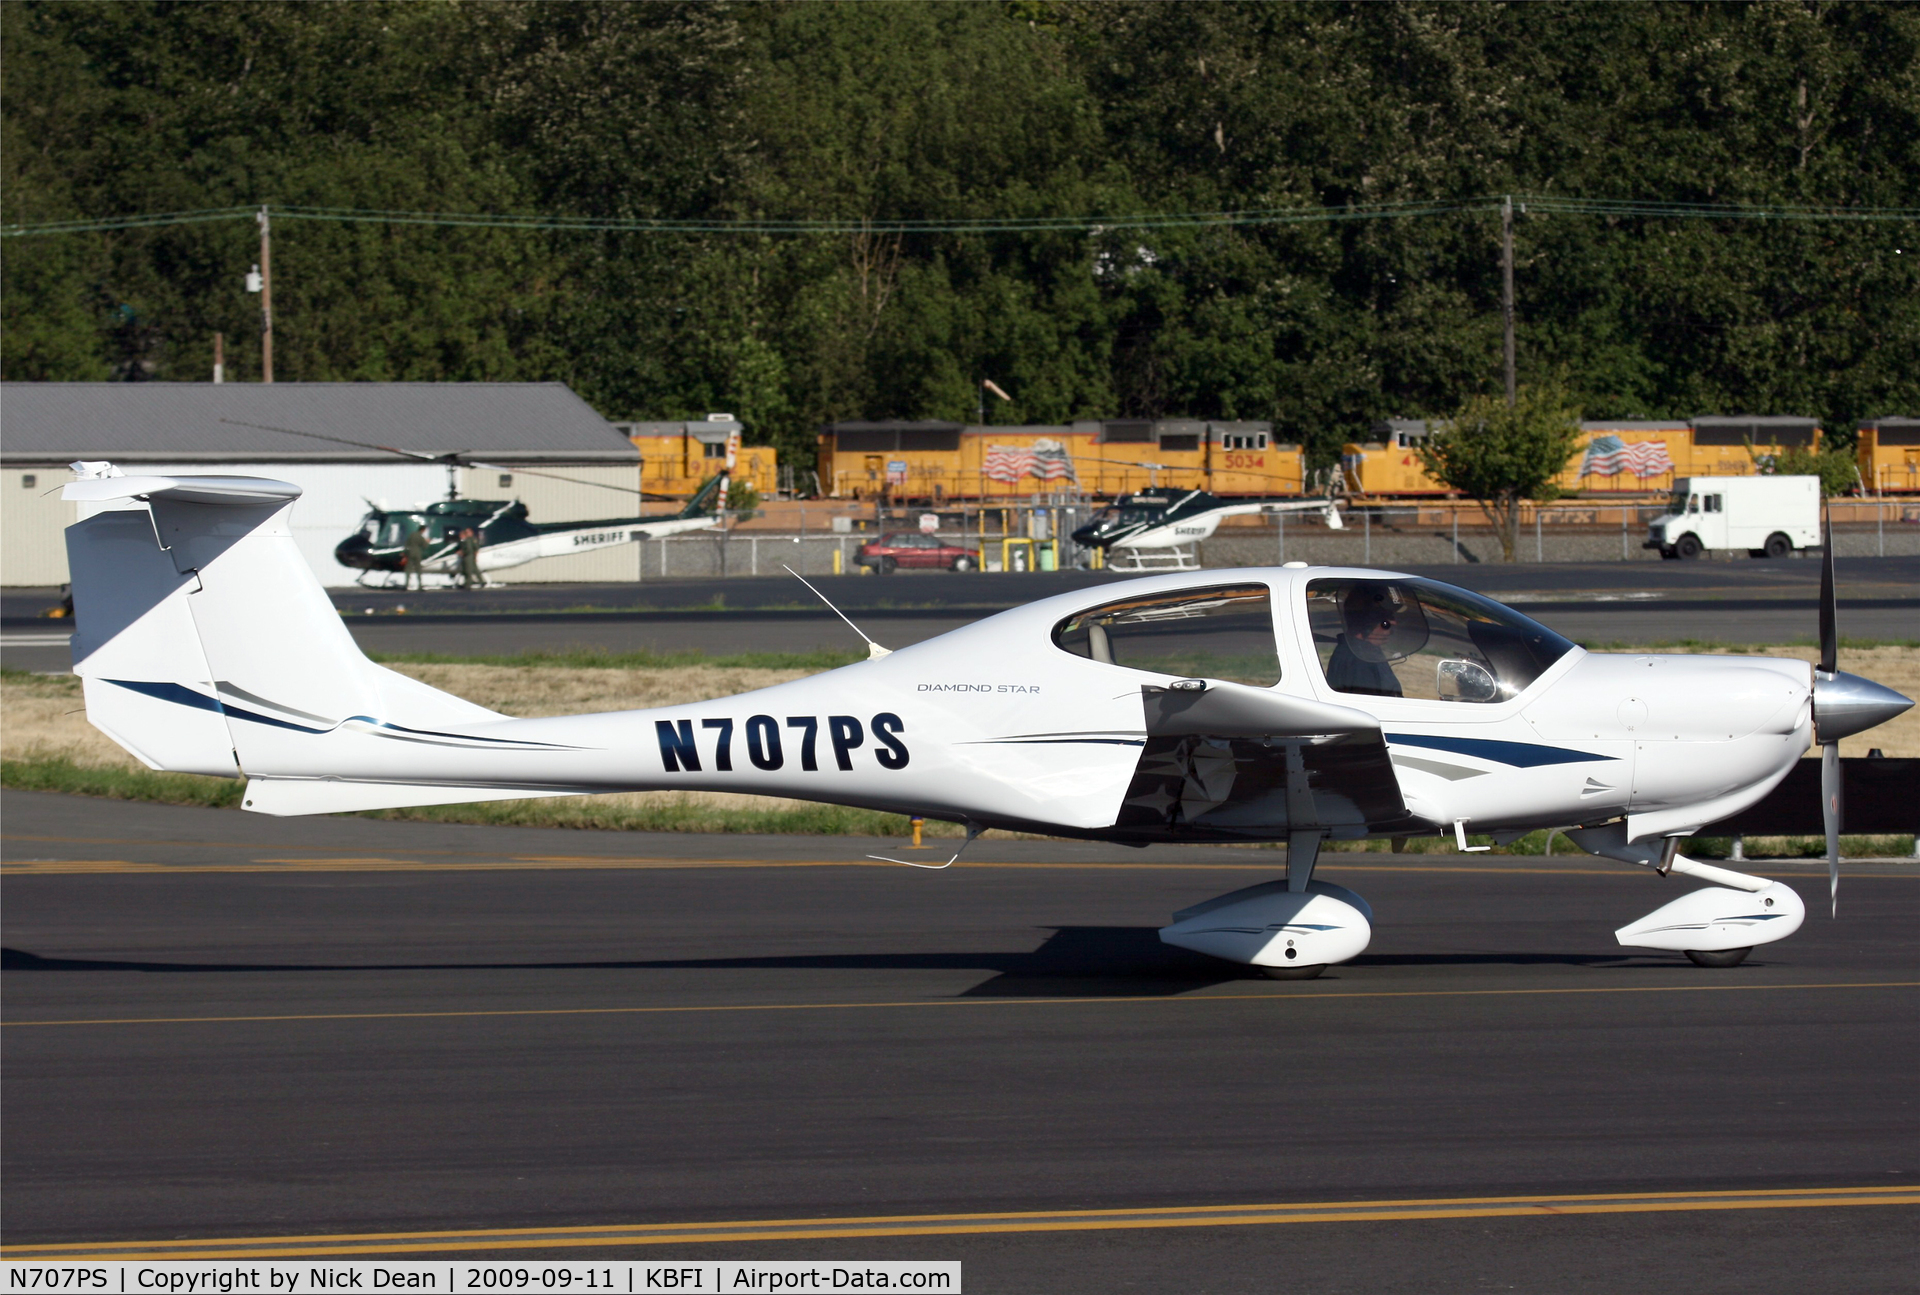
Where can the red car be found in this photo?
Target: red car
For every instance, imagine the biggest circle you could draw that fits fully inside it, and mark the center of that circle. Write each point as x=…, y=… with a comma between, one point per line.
x=915, y=549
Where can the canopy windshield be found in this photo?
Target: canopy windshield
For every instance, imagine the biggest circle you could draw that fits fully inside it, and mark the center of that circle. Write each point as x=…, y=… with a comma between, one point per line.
x=1223, y=632
x=1426, y=641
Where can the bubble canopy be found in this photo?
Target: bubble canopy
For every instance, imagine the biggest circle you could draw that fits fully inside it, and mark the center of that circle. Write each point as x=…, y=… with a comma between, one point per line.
x=1422, y=640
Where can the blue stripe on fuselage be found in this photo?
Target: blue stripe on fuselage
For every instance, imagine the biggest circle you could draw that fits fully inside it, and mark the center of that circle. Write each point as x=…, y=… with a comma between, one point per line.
x=1523, y=755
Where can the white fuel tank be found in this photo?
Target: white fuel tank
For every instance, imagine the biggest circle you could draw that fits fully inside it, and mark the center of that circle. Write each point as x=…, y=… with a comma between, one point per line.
x=1270, y=926
x=1717, y=918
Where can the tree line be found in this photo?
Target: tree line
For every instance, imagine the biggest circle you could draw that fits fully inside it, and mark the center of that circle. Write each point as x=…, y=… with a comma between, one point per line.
x=963, y=118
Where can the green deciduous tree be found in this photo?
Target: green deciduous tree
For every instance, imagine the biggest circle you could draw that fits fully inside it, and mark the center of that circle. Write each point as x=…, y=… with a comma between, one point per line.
x=1502, y=456
x=909, y=110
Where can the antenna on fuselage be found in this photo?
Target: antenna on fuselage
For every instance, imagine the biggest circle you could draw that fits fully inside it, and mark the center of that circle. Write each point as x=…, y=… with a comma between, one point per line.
x=874, y=650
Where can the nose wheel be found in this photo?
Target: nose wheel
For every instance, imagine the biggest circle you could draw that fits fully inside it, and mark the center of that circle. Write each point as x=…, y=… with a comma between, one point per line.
x=1717, y=957
x=1294, y=973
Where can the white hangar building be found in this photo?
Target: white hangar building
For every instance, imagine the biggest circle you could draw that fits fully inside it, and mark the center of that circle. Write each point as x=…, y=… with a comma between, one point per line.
x=192, y=427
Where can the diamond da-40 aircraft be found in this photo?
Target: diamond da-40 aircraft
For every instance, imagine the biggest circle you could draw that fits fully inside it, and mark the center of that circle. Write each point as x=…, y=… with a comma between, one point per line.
x=1296, y=704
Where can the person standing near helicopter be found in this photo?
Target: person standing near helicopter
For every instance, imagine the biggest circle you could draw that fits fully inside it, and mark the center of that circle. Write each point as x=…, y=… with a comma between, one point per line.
x=470, y=577
x=418, y=546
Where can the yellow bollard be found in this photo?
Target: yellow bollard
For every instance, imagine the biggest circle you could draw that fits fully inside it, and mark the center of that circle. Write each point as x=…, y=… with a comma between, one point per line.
x=917, y=824
x=838, y=559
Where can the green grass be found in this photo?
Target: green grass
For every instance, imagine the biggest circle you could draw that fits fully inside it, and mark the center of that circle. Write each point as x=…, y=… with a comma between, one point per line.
x=643, y=659
x=596, y=814
x=1698, y=847
x=119, y=784
x=61, y=775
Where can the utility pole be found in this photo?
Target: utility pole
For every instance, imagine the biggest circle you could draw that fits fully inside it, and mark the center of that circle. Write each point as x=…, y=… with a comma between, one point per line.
x=1506, y=299
x=266, y=303
x=219, y=357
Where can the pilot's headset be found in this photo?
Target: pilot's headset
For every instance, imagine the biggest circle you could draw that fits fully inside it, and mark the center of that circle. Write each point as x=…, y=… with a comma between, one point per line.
x=1372, y=605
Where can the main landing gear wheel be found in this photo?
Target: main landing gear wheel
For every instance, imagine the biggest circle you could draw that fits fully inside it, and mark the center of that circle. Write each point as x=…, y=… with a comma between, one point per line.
x=1294, y=973
x=1688, y=548
x=1718, y=957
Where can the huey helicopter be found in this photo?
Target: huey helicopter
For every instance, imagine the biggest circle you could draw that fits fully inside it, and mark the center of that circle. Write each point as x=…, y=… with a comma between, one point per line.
x=507, y=538
x=1153, y=523
x=1294, y=703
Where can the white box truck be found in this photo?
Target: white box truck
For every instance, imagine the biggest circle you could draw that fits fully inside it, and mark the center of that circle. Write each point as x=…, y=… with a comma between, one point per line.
x=1769, y=517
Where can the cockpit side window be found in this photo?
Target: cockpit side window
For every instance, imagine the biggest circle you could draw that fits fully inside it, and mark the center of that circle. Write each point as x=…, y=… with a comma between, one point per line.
x=1225, y=632
x=1425, y=641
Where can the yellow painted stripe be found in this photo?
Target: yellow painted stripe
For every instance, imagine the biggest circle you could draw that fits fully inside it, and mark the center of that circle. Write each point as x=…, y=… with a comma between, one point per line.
x=1305, y=995
x=396, y=1243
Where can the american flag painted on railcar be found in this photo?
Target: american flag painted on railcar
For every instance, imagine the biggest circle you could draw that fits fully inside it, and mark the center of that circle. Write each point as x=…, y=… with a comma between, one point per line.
x=1045, y=458
x=1610, y=456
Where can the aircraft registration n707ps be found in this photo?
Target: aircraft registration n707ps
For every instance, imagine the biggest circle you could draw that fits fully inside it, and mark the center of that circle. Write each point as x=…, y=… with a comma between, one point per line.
x=1297, y=704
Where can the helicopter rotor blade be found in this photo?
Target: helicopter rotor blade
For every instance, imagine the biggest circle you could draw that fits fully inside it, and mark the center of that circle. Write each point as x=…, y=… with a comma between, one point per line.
x=451, y=458
x=578, y=481
x=341, y=440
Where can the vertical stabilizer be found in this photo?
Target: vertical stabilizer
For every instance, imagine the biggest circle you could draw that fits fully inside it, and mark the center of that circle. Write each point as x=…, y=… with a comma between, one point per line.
x=206, y=642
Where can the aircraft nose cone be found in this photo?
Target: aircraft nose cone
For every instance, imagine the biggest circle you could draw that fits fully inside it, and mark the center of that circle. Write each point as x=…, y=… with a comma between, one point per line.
x=1845, y=704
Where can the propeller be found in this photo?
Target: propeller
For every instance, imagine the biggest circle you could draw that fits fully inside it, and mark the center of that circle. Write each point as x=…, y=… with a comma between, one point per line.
x=1827, y=671
x=450, y=460
x=1843, y=704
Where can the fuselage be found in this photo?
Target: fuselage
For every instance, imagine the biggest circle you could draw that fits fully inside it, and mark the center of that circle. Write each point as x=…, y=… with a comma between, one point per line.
x=507, y=538
x=1009, y=722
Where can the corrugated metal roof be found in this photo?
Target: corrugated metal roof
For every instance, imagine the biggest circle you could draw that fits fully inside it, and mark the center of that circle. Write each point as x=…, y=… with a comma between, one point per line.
x=181, y=422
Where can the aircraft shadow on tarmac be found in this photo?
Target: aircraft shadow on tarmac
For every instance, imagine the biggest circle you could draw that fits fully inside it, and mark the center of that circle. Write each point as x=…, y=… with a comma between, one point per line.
x=1091, y=961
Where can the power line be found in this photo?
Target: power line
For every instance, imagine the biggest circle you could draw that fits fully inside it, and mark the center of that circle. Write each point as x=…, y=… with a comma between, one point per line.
x=1633, y=209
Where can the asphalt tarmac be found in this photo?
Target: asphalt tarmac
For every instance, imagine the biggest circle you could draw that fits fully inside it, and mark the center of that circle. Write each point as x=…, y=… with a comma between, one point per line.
x=1597, y=603
x=222, y=1025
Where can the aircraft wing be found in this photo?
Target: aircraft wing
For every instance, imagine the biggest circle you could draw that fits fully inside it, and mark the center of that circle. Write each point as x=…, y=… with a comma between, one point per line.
x=1229, y=761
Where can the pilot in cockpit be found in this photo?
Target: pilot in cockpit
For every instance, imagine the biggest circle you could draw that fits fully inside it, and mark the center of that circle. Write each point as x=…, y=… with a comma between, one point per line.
x=1359, y=663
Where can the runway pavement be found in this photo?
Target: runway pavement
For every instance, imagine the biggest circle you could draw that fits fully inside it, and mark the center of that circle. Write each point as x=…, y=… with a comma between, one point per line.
x=219, y=1025
x=1600, y=603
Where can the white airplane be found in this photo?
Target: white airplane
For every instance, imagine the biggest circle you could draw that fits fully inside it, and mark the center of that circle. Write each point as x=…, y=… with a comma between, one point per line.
x=1295, y=704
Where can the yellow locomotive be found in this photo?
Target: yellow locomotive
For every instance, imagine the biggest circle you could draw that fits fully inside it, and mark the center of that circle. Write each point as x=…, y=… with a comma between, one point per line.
x=678, y=458
x=1888, y=453
x=935, y=462
x=1627, y=456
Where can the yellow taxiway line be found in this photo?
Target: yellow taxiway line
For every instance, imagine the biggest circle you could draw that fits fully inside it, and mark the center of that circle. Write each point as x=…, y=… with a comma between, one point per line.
x=917, y=1225
x=851, y=1006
